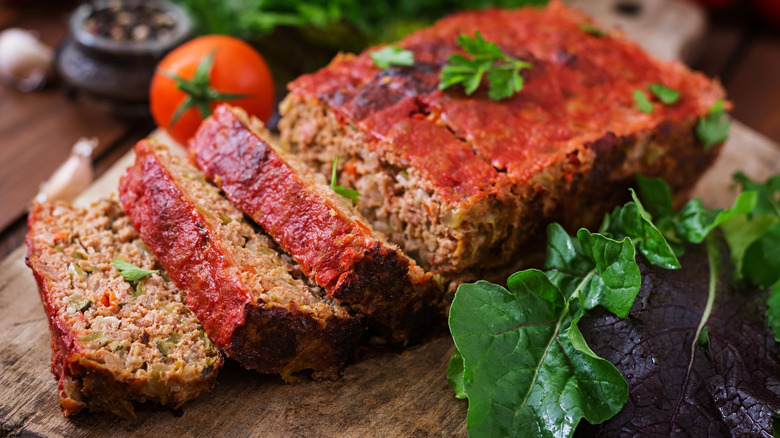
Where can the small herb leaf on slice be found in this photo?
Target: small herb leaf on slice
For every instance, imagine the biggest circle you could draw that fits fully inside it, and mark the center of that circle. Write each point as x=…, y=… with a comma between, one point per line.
x=642, y=103
x=664, y=94
x=130, y=271
x=592, y=30
x=392, y=55
x=713, y=127
x=350, y=194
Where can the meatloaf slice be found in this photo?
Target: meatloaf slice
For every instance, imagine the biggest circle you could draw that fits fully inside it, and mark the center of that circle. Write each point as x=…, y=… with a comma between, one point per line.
x=114, y=341
x=252, y=300
x=461, y=182
x=330, y=240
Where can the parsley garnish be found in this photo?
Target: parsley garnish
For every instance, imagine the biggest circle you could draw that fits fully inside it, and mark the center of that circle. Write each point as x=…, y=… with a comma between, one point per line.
x=664, y=94
x=642, y=103
x=340, y=189
x=592, y=30
x=130, y=271
x=392, y=55
x=714, y=127
x=503, y=72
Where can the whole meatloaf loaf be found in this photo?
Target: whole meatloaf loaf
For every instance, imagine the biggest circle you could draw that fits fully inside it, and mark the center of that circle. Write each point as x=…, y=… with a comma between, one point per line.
x=114, y=341
x=462, y=182
x=253, y=301
x=331, y=241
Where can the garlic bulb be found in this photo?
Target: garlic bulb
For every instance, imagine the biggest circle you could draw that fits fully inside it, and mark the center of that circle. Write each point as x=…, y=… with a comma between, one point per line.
x=73, y=176
x=25, y=62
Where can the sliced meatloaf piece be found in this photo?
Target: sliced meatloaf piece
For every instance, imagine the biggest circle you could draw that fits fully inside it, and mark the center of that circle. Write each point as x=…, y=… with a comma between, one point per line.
x=114, y=341
x=330, y=240
x=462, y=182
x=254, y=302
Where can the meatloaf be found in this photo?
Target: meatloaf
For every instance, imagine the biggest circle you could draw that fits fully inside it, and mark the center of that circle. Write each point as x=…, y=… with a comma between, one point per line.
x=253, y=301
x=462, y=182
x=114, y=341
x=330, y=240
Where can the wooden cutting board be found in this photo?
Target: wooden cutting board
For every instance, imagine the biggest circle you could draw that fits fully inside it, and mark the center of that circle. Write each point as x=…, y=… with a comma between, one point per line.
x=389, y=394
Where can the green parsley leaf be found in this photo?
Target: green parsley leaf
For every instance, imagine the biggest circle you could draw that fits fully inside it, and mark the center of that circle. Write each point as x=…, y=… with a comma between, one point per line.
x=130, y=271
x=713, y=128
x=642, y=102
x=503, y=72
x=353, y=195
x=664, y=94
x=592, y=30
x=392, y=55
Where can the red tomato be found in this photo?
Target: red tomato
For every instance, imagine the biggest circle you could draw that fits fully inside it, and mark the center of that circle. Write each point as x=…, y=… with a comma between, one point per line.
x=237, y=69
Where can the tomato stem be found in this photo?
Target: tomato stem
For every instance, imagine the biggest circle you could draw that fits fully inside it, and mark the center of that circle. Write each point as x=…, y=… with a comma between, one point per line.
x=199, y=92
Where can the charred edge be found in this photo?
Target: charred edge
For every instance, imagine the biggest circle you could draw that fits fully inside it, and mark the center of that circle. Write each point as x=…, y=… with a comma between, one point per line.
x=284, y=341
x=397, y=307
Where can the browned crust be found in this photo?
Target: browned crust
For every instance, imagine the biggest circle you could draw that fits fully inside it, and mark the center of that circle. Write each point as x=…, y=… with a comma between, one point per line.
x=196, y=260
x=330, y=242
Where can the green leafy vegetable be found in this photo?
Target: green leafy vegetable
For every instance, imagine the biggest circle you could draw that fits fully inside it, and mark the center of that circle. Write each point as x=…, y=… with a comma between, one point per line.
x=633, y=220
x=713, y=128
x=768, y=194
x=592, y=30
x=353, y=195
x=524, y=360
x=130, y=271
x=642, y=103
x=503, y=72
x=520, y=358
x=664, y=94
x=392, y=55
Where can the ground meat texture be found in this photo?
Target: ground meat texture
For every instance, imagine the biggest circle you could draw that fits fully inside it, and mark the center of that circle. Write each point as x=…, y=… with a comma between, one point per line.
x=319, y=228
x=253, y=303
x=114, y=341
x=463, y=182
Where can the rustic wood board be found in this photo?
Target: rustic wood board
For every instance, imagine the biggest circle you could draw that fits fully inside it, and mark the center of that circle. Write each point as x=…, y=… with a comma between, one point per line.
x=388, y=394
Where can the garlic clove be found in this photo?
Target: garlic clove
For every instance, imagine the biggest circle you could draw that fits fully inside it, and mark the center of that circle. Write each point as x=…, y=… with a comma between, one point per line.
x=73, y=176
x=25, y=62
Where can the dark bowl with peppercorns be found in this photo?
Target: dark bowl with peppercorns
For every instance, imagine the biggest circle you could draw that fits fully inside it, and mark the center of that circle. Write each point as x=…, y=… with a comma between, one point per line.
x=113, y=49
